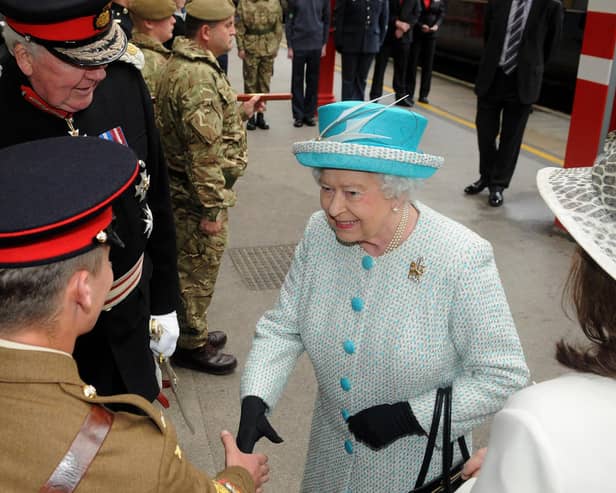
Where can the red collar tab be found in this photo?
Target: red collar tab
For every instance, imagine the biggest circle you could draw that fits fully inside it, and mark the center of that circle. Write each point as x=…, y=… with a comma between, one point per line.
x=77, y=30
x=35, y=100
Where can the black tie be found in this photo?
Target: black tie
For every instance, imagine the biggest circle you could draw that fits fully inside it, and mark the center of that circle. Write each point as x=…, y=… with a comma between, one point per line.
x=515, y=28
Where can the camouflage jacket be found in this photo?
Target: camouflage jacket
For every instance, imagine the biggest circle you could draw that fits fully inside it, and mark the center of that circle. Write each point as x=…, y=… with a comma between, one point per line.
x=155, y=55
x=259, y=27
x=201, y=130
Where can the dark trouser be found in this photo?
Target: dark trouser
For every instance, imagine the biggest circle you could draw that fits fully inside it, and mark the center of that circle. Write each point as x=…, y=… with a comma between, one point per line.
x=400, y=53
x=422, y=51
x=304, y=102
x=500, y=110
x=355, y=68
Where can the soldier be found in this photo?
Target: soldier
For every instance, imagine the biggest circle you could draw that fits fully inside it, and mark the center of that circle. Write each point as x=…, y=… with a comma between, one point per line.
x=62, y=79
x=205, y=143
x=55, y=233
x=120, y=14
x=153, y=23
x=259, y=31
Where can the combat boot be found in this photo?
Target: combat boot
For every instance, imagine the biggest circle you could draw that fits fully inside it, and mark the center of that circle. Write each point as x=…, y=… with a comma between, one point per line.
x=261, y=123
x=251, y=124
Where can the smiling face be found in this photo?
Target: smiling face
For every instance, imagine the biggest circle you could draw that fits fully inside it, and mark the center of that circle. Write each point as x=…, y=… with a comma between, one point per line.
x=356, y=207
x=59, y=84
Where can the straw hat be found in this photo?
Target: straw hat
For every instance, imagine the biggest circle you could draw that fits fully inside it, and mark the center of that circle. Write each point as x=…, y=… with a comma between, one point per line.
x=584, y=201
x=369, y=137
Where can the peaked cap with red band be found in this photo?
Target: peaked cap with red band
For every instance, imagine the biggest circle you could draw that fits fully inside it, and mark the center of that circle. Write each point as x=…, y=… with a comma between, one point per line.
x=57, y=195
x=80, y=32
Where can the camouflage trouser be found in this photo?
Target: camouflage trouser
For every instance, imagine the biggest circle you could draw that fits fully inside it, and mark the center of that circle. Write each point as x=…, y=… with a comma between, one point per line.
x=258, y=71
x=199, y=257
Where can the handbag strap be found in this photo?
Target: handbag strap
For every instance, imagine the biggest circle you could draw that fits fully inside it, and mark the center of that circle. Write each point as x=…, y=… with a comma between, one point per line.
x=442, y=405
x=447, y=449
x=436, y=418
x=81, y=453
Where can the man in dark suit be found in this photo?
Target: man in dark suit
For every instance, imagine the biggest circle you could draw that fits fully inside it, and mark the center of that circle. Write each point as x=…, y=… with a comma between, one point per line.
x=402, y=15
x=431, y=15
x=520, y=37
x=360, y=28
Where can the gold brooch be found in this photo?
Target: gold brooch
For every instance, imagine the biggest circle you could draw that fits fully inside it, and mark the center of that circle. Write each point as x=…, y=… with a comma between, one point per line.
x=416, y=269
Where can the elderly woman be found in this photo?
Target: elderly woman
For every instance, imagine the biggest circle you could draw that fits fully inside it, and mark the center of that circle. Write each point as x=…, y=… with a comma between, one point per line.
x=391, y=300
x=558, y=436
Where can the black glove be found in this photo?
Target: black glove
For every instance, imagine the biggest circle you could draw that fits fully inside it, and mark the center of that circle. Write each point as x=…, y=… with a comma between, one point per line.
x=381, y=425
x=254, y=424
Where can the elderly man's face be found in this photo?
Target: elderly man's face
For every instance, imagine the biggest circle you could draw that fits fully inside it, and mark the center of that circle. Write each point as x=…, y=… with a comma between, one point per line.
x=61, y=85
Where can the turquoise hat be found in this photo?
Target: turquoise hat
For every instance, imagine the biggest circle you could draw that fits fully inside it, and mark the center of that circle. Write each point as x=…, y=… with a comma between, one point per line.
x=365, y=136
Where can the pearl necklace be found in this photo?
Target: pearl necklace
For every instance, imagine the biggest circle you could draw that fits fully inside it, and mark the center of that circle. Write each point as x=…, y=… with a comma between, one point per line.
x=396, y=239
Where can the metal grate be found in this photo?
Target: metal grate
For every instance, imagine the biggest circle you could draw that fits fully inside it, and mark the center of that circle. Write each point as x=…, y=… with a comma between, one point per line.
x=262, y=267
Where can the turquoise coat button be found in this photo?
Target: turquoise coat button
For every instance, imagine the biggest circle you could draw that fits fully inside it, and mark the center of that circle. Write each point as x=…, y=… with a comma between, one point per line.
x=357, y=304
x=348, y=446
x=345, y=414
x=345, y=384
x=349, y=347
x=367, y=262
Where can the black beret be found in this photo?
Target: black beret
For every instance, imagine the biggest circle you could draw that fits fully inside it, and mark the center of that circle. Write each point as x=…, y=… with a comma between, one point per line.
x=80, y=32
x=56, y=196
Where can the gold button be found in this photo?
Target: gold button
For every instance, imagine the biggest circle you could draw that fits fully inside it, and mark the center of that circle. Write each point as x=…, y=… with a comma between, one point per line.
x=89, y=391
x=178, y=452
x=162, y=420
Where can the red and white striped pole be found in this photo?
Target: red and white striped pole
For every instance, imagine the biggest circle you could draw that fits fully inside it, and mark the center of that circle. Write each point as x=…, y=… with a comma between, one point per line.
x=594, y=105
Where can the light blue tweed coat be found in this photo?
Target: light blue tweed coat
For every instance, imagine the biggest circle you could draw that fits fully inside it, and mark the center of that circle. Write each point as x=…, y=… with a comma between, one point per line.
x=375, y=336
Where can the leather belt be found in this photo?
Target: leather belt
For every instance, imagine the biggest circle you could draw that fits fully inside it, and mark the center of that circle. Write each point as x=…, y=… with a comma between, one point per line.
x=123, y=286
x=73, y=466
x=261, y=31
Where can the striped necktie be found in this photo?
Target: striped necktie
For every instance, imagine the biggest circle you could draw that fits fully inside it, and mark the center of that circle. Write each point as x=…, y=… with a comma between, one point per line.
x=515, y=29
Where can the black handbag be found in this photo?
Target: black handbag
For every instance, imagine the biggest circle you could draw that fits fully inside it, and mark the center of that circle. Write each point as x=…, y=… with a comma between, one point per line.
x=450, y=478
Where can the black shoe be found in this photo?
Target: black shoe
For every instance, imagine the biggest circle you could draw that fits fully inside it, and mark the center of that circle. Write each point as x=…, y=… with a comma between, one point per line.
x=309, y=121
x=217, y=339
x=423, y=100
x=407, y=103
x=251, y=124
x=261, y=123
x=475, y=188
x=206, y=359
x=298, y=123
x=496, y=196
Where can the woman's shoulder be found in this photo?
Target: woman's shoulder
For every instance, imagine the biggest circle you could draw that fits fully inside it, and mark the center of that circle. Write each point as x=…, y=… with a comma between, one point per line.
x=447, y=233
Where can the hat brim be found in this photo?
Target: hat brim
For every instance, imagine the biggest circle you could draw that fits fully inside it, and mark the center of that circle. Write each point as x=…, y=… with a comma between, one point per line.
x=104, y=50
x=569, y=194
x=373, y=159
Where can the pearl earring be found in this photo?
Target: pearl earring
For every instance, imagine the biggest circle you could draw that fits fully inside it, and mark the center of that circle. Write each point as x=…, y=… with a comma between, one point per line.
x=395, y=209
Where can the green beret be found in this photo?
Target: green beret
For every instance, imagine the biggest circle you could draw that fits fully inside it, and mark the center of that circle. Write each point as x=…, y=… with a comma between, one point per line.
x=153, y=10
x=210, y=10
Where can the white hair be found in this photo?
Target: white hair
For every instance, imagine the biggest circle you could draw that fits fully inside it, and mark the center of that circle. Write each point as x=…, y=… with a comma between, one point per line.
x=11, y=38
x=393, y=186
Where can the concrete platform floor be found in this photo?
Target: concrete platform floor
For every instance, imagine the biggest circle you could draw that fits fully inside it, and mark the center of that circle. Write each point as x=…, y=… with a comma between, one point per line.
x=276, y=197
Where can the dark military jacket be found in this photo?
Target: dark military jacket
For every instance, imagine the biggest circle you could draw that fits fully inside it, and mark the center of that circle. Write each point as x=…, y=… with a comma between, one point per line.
x=360, y=25
x=43, y=404
x=115, y=356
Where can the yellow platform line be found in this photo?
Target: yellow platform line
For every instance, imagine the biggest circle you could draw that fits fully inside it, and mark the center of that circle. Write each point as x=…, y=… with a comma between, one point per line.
x=466, y=123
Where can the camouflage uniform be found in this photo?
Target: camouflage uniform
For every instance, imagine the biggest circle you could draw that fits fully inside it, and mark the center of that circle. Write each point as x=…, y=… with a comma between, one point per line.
x=259, y=31
x=205, y=145
x=156, y=56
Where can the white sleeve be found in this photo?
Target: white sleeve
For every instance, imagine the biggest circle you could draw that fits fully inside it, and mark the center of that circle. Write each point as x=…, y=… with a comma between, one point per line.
x=520, y=458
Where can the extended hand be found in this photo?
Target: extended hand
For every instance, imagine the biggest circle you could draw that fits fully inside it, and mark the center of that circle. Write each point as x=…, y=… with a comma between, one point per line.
x=255, y=464
x=473, y=465
x=378, y=426
x=254, y=424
